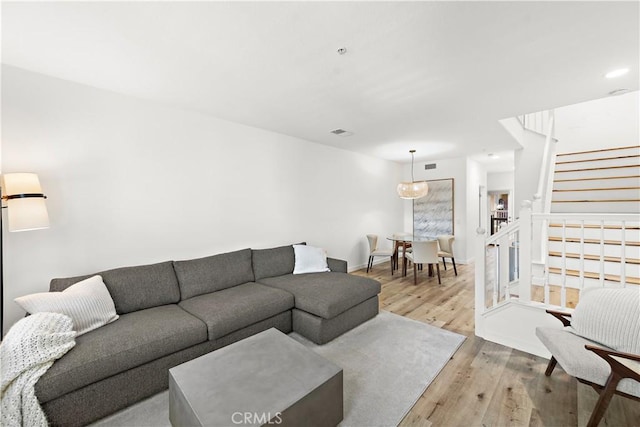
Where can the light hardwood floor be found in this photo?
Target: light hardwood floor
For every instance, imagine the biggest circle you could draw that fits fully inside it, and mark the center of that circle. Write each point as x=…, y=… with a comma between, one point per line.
x=487, y=384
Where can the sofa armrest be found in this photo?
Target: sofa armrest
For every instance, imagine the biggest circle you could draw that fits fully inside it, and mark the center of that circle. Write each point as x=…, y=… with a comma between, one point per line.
x=337, y=265
x=563, y=317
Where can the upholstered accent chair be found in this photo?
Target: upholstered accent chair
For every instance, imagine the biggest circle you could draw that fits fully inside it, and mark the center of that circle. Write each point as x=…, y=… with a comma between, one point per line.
x=599, y=344
x=446, y=251
x=374, y=251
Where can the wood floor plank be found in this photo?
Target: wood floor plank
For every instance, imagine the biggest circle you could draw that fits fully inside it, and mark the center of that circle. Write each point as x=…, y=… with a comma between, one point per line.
x=487, y=384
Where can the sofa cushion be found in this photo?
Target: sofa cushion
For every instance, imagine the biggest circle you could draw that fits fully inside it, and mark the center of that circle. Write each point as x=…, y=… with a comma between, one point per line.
x=326, y=294
x=273, y=262
x=132, y=340
x=134, y=288
x=214, y=273
x=234, y=308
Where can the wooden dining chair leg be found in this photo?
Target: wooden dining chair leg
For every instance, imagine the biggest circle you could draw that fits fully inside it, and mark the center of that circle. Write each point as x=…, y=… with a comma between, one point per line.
x=391, y=262
x=369, y=263
x=444, y=263
x=453, y=261
x=415, y=277
x=438, y=270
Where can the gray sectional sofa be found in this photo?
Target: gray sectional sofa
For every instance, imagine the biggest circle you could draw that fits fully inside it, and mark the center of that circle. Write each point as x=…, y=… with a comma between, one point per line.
x=173, y=312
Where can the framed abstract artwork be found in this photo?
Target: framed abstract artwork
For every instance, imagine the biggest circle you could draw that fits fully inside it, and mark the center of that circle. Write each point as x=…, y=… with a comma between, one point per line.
x=433, y=214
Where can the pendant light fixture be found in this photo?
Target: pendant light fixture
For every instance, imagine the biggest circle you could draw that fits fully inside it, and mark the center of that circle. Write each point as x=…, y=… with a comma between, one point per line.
x=414, y=189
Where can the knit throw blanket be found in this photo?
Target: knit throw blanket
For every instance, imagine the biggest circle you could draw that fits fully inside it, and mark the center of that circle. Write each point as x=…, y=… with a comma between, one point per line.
x=29, y=349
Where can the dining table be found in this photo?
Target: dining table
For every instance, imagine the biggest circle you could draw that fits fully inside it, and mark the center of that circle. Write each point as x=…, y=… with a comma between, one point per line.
x=405, y=241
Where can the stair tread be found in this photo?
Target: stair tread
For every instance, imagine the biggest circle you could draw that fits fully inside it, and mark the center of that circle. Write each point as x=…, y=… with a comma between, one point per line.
x=597, y=226
x=596, y=201
x=593, y=241
x=597, y=178
x=598, y=159
x=592, y=275
x=597, y=189
x=592, y=257
x=598, y=151
x=597, y=169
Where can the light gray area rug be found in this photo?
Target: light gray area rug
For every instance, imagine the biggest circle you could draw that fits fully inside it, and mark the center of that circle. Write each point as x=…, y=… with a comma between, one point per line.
x=388, y=362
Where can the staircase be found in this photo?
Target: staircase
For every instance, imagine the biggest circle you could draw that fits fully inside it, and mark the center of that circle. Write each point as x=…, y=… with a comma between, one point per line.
x=583, y=253
x=580, y=230
x=599, y=181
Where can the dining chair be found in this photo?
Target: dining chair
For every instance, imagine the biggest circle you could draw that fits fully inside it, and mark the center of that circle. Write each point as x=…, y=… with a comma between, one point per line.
x=399, y=249
x=374, y=251
x=446, y=251
x=424, y=253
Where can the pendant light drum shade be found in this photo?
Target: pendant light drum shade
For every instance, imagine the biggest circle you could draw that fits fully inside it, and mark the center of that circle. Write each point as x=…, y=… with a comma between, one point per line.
x=26, y=209
x=414, y=189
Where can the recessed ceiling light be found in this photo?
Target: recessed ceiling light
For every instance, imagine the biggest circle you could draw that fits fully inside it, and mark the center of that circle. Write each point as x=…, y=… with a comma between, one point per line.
x=616, y=73
x=493, y=156
x=619, y=92
x=341, y=132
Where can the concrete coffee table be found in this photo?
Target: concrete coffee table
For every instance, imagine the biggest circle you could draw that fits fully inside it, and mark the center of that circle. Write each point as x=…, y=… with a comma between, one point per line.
x=268, y=378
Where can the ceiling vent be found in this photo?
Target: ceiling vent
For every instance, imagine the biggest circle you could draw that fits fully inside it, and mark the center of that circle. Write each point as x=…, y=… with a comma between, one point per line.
x=429, y=166
x=341, y=132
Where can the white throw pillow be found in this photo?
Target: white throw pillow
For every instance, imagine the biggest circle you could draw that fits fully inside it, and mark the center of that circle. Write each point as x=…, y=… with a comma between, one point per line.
x=609, y=316
x=87, y=302
x=309, y=260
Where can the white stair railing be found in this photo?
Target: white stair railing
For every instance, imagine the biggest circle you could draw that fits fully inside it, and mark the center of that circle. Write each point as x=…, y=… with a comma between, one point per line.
x=537, y=122
x=501, y=265
x=581, y=250
x=586, y=250
x=545, y=180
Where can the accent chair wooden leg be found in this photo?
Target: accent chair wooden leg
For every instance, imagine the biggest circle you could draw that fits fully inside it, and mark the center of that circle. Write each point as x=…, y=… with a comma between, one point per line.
x=445, y=264
x=415, y=273
x=455, y=270
x=551, y=366
x=603, y=401
x=438, y=270
x=391, y=262
x=369, y=263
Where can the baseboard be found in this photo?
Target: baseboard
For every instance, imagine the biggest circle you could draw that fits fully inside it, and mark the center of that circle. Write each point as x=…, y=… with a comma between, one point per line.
x=361, y=266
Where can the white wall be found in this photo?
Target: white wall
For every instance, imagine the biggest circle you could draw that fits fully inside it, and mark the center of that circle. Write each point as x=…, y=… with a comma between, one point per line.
x=132, y=182
x=500, y=181
x=603, y=123
x=465, y=202
x=528, y=162
x=476, y=212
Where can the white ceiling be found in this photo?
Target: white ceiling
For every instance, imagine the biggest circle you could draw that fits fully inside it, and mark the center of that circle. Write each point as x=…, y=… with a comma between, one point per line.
x=434, y=76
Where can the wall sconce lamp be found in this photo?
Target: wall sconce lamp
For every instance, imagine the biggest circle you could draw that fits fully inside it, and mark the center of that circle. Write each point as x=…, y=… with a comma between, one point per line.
x=26, y=211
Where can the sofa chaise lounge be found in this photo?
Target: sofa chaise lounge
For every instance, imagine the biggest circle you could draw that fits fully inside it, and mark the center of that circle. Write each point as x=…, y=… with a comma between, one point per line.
x=175, y=311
